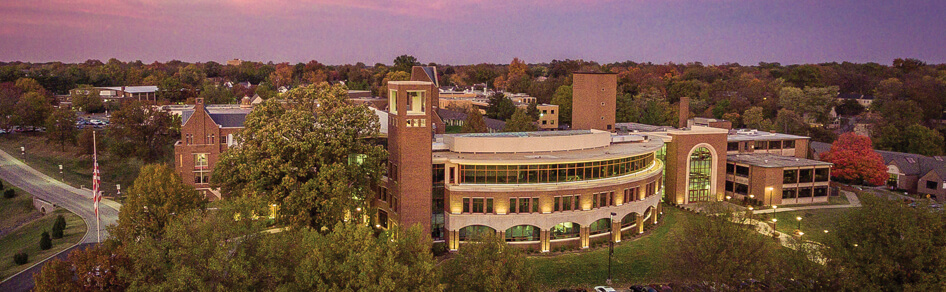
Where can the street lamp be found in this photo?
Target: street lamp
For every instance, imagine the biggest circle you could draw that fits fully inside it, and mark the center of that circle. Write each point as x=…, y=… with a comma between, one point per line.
x=825, y=231
x=611, y=245
x=61, y=176
x=799, y=222
x=774, y=221
x=22, y=150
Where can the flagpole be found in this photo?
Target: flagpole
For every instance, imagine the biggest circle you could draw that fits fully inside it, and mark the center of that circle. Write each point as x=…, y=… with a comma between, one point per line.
x=95, y=189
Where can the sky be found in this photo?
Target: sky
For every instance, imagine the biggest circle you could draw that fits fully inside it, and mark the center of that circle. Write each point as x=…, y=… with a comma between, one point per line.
x=474, y=31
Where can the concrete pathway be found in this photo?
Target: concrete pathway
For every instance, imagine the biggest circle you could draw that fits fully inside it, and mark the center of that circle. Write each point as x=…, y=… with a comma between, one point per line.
x=78, y=201
x=851, y=198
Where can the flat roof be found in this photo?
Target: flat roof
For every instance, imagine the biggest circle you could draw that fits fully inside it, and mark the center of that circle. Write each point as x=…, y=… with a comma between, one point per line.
x=612, y=151
x=410, y=82
x=754, y=135
x=772, y=160
x=527, y=134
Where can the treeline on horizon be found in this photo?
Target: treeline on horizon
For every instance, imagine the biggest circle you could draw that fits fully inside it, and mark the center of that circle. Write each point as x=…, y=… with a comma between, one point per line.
x=909, y=95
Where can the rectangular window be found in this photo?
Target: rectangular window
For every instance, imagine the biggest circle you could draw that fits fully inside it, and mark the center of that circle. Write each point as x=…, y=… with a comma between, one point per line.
x=732, y=146
x=730, y=168
x=788, y=144
x=489, y=205
x=466, y=205
x=558, y=206
x=416, y=102
x=742, y=171
x=478, y=205
x=729, y=186
x=821, y=174
x=804, y=193
x=535, y=205
x=806, y=175
x=741, y=189
x=513, y=205
x=788, y=194
x=775, y=144
x=392, y=101
x=567, y=203
x=821, y=192
x=931, y=184
x=761, y=145
x=790, y=176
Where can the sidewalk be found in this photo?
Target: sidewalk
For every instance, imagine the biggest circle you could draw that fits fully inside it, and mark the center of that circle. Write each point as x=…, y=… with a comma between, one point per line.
x=851, y=198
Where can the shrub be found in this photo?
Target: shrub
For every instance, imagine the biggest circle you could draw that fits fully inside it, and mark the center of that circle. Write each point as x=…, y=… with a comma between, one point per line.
x=59, y=226
x=9, y=193
x=45, y=242
x=439, y=248
x=21, y=258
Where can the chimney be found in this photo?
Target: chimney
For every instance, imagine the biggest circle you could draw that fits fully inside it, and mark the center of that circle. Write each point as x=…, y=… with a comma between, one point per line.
x=684, y=112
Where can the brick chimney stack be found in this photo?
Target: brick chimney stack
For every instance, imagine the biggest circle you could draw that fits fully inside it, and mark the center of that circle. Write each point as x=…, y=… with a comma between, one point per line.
x=684, y=112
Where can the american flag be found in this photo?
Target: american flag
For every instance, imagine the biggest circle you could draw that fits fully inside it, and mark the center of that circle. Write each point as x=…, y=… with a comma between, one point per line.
x=96, y=180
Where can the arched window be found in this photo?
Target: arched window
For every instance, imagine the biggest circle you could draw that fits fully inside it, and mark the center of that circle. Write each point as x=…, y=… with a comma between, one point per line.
x=701, y=175
x=565, y=230
x=473, y=231
x=628, y=220
x=601, y=226
x=523, y=233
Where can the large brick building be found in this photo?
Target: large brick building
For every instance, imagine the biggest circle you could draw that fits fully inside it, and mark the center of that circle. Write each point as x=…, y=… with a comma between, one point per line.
x=205, y=134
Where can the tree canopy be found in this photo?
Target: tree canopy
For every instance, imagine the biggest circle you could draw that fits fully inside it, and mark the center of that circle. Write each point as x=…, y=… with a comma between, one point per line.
x=856, y=161
x=309, y=151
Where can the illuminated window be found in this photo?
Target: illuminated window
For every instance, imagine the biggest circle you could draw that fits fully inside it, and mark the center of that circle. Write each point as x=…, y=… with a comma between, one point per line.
x=700, y=176
x=392, y=101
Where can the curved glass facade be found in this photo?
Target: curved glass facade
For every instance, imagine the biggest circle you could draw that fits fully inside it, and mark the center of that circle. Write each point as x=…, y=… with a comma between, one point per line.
x=552, y=173
x=701, y=174
x=523, y=233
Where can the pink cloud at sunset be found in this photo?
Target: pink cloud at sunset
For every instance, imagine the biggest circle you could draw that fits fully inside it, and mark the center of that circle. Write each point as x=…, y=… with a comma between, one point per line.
x=474, y=31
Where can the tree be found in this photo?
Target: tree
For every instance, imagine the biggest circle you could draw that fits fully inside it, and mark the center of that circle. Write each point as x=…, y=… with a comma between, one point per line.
x=533, y=111
x=215, y=94
x=500, y=107
x=86, y=98
x=59, y=226
x=719, y=252
x=789, y=122
x=488, y=264
x=753, y=117
x=170, y=89
x=282, y=76
x=296, y=151
x=887, y=245
x=811, y=103
x=85, y=142
x=405, y=63
x=914, y=138
x=626, y=109
x=563, y=98
x=655, y=109
x=29, y=85
x=95, y=268
x=474, y=122
x=157, y=194
x=32, y=110
x=61, y=127
x=520, y=122
x=849, y=107
x=44, y=241
x=138, y=130
x=856, y=161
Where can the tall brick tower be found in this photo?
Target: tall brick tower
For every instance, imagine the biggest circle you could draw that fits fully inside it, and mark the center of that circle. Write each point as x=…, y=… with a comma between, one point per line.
x=594, y=98
x=410, y=134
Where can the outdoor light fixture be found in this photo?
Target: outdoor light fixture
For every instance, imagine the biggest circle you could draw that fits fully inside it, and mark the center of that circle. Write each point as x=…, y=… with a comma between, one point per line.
x=826, y=231
x=728, y=197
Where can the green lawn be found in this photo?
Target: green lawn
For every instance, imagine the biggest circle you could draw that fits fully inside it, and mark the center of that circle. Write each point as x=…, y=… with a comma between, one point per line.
x=634, y=262
x=17, y=210
x=813, y=223
x=26, y=239
x=77, y=169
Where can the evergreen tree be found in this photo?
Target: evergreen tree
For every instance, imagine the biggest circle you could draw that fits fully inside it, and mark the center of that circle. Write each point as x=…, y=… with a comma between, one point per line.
x=563, y=99
x=474, y=122
x=520, y=122
x=45, y=242
x=500, y=107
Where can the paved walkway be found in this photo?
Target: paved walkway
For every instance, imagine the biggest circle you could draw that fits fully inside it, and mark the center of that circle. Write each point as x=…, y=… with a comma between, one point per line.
x=851, y=198
x=78, y=201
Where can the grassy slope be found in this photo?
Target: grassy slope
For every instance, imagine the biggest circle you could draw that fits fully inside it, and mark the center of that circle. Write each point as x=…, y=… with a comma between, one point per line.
x=77, y=170
x=26, y=239
x=16, y=210
x=813, y=223
x=634, y=262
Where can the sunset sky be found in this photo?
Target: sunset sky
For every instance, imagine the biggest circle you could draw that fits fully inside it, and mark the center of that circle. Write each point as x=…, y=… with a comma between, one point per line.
x=474, y=31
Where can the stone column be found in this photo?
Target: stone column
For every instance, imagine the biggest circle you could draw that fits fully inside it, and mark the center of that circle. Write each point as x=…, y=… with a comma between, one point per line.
x=640, y=223
x=583, y=235
x=453, y=238
x=616, y=231
x=544, y=244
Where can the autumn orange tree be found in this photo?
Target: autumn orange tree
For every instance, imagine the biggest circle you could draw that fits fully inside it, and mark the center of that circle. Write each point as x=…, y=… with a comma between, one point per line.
x=856, y=161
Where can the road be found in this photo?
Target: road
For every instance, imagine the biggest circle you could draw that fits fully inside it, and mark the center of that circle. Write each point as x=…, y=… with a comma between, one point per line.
x=75, y=200
x=78, y=201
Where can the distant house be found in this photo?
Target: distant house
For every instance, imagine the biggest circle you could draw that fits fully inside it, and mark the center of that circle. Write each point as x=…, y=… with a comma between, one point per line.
x=234, y=62
x=907, y=171
x=120, y=92
x=206, y=132
x=457, y=119
x=863, y=100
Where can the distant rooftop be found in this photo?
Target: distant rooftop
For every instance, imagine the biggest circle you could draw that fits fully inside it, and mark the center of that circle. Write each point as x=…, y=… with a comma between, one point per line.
x=755, y=135
x=772, y=160
x=528, y=134
x=134, y=89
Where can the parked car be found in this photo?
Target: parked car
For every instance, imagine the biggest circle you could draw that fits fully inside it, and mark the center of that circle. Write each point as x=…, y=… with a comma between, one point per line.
x=604, y=289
